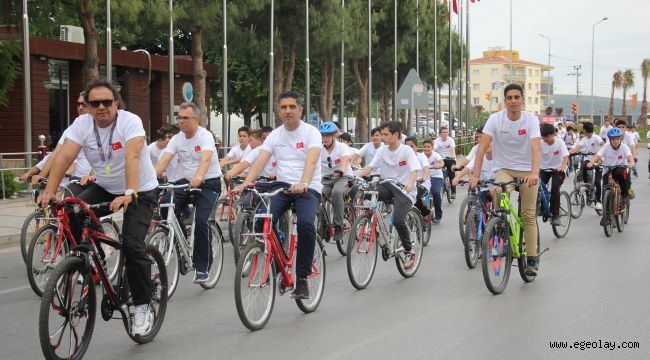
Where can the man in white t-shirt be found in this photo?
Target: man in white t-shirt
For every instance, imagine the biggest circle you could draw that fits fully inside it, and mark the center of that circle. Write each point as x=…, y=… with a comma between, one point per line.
x=515, y=139
x=446, y=147
x=555, y=158
x=368, y=151
x=629, y=140
x=296, y=146
x=238, y=152
x=397, y=161
x=590, y=144
x=197, y=155
x=603, y=130
x=435, y=165
x=174, y=171
x=114, y=143
x=423, y=180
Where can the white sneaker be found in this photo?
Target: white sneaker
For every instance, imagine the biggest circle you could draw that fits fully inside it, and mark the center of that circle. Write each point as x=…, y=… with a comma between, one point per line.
x=598, y=206
x=142, y=320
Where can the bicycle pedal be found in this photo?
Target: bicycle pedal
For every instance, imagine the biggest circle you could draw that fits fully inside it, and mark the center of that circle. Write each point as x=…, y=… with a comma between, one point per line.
x=542, y=253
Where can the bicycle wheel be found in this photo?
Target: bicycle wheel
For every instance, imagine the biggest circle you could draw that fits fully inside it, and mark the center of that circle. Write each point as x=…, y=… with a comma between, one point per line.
x=619, y=214
x=44, y=254
x=577, y=201
x=496, y=255
x=626, y=216
x=33, y=222
x=236, y=210
x=564, y=215
x=447, y=187
x=608, y=208
x=522, y=260
x=159, y=239
x=241, y=233
x=472, y=246
x=67, y=314
x=362, y=252
x=112, y=256
x=159, y=296
x=217, y=256
x=426, y=228
x=315, y=282
x=414, y=224
x=221, y=213
x=348, y=220
x=462, y=218
x=254, y=287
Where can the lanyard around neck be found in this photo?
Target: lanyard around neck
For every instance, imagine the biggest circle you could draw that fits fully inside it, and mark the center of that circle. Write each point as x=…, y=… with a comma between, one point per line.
x=100, y=148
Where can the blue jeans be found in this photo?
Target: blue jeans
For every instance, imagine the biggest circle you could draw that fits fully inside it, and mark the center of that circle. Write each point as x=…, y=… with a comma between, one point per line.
x=204, y=203
x=307, y=205
x=436, y=189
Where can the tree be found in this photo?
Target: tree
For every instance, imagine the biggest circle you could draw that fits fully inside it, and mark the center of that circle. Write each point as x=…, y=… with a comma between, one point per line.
x=645, y=73
x=10, y=68
x=617, y=82
x=628, y=82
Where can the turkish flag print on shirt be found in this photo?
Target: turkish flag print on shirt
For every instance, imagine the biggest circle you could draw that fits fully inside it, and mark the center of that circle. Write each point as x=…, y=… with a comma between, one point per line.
x=116, y=145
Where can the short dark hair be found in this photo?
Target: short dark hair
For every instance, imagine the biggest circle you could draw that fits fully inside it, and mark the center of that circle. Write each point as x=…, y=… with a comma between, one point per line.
x=375, y=130
x=428, y=141
x=412, y=139
x=588, y=127
x=290, y=94
x=621, y=122
x=101, y=83
x=345, y=137
x=244, y=129
x=266, y=129
x=392, y=126
x=479, y=130
x=255, y=133
x=443, y=128
x=338, y=124
x=570, y=128
x=547, y=129
x=163, y=131
x=513, y=86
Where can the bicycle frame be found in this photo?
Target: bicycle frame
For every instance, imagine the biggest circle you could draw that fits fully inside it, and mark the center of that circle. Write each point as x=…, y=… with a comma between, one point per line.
x=176, y=231
x=545, y=198
x=476, y=205
x=385, y=238
x=515, y=224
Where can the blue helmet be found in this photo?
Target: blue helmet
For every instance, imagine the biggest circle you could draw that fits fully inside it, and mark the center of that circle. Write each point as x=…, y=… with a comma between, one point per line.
x=614, y=132
x=328, y=128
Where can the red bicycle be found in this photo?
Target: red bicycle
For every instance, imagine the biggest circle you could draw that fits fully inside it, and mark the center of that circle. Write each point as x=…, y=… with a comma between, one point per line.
x=268, y=262
x=228, y=207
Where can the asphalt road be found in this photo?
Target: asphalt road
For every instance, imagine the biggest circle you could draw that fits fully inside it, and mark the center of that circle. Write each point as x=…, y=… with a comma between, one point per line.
x=590, y=289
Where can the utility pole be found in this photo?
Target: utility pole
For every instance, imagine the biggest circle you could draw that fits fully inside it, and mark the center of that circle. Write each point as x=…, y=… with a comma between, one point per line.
x=577, y=74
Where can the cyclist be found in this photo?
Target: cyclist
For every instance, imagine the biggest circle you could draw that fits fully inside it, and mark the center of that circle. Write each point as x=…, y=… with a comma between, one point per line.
x=605, y=129
x=613, y=154
x=114, y=143
x=334, y=163
x=174, y=171
x=591, y=144
x=397, y=161
x=423, y=179
x=446, y=147
x=515, y=139
x=369, y=150
x=636, y=138
x=570, y=138
x=346, y=139
x=561, y=130
x=555, y=156
x=630, y=141
x=463, y=162
x=296, y=146
x=238, y=152
x=486, y=192
x=436, y=163
x=197, y=155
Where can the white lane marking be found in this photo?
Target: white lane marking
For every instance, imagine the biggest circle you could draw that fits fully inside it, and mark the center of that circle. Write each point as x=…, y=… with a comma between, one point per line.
x=13, y=290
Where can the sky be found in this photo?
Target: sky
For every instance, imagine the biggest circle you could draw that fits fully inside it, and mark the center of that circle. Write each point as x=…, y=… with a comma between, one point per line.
x=621, y=42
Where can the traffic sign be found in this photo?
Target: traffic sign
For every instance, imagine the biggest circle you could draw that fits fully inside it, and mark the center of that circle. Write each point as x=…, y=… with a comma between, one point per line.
x=412, y=90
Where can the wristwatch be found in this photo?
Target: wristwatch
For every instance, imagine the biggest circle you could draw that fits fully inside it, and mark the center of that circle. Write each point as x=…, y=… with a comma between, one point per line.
x=131, y=192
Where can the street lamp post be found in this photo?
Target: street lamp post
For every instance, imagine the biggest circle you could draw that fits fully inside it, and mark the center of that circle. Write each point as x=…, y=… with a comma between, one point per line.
x=171, y=63
x=27, y=90
x=593, y=31
x=548, y=84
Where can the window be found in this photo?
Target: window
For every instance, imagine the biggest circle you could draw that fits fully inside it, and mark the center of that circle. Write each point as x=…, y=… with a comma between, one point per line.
x=530, y=86
x=495, y=71
x=536, y=101
x=476, y=87
x=529, y=99
x=537, y=87
x=495, y=99
x=476, y=73
x=476, y=101
x=530, y=72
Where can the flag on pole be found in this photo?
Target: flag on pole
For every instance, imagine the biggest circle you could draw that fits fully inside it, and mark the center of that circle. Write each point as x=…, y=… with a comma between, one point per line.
x=455, y=7
x=447, y=6
x=633, y=101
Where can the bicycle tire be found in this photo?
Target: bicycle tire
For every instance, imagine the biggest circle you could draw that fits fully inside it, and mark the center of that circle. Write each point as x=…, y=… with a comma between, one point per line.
x=244, y=225
x=360, y=251
x=60, y=288
x=627, y=212
x=447, y=187
x=26, y=232
x=221, y=212
x=577, y=200
x=608, y=222
x=159, y=238
x=620, y=213
x=522, y=260
x=498, y=228
x=316, y=282
x=251, y=266
x=414, y=224
x=427, y=228
x=462, y=218
x=217, y=257
x=159, y=297
x=112, y=256
x=236, y=209
x=42, y=249
x=348, y=220
x=472, y=247
x=561, y=230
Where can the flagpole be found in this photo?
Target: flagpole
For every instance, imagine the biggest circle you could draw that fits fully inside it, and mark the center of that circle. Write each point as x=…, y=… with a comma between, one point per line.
x=307, y=84
x=342, y=99
x=171, y=63
x=460, y=69
x=436, y=115
x=271, y=108
x=451, y=72
x=27, y=90
x=226, y=118
x=369, y=65
x=468, y=95
x=395, y=61
x=109, y=54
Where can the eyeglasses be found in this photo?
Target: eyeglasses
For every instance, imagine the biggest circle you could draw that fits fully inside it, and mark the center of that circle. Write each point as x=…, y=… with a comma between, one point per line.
x=329, y=162
x=106, y=103
x=184, y=118
x=81, y=103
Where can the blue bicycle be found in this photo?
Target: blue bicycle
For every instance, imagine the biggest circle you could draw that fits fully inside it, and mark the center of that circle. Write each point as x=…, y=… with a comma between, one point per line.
x=478, y=211
x=563, y=221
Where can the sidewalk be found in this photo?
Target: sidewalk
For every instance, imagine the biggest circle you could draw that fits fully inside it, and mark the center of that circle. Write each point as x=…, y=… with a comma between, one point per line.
x=12, y=215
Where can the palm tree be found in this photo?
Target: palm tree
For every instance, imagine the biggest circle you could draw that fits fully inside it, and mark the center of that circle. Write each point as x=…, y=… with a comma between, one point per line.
x=628, y=82
x=617, y=81
x=645, y=72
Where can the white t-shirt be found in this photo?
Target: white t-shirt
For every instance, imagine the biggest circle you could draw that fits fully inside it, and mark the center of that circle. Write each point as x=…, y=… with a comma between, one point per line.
x=290, y=151
x=352, y=150
x=434, y=159
x=511, y=140
x=189, y=153
x=444, y=147
x=486, y=168
x=236, y=152
x=174, y=169
x=271, y=166
x=424, y=163
x=41, y=164
x=611, y=157
x=368, y=151
x=635, y=136
x=129, y=126
x=561, y=133
x=82, y=166
x=335, y=159
x=553, y=155
x=603, y=131
x=570, y=139
x=590, y=145
x=397, y=165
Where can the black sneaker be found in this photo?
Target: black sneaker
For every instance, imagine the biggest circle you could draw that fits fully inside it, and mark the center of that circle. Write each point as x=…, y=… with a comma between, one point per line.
x=436, y=221
x=556, y=221
x=603, y=221
x=338, y=233
x=532, y=266
x=301, y=291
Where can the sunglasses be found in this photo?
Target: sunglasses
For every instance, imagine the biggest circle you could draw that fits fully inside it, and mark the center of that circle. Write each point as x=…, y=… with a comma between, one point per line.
x=106, y=103
x=184, y=118
x=329, y=162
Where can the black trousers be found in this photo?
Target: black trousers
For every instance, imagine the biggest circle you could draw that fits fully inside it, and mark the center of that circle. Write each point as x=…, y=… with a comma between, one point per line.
x=597, y=181
x=419, y=202
x=452, y=174
x=401, y=206
x=622, y=177
x=134, y=230
x=557, y=179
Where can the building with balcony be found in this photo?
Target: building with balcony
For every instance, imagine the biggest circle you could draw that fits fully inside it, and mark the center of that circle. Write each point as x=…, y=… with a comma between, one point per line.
x=491, y=73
